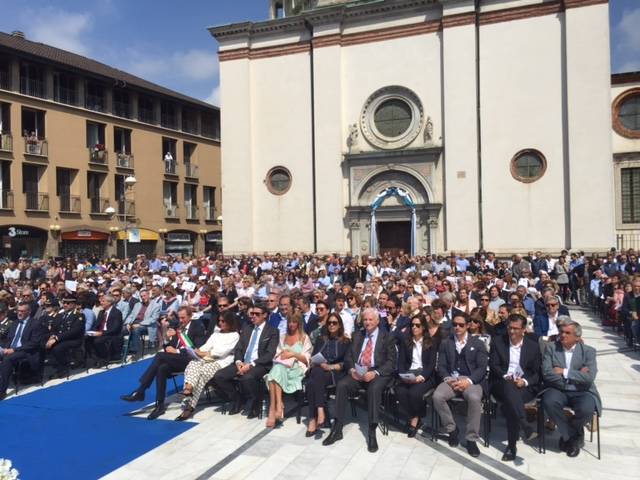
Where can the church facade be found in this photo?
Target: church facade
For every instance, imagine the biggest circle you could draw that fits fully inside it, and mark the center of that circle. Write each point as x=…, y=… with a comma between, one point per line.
x=418, y=125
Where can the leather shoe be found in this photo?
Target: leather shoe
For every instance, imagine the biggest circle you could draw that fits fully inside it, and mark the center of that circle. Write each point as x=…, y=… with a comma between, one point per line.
x=235, y=409
x=311, y=434
x=253, y=413
x=334, y=435
x=573, y=449
x=156, y=412
x=372, y=442
x=563, y=444
x=453, y=438
x=472, y=448
x=509, y=455
x=133, y=397
x=412, y=431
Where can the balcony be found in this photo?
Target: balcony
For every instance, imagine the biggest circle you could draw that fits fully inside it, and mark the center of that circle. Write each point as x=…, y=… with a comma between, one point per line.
x=69, y=204
x=192, y=212
x=145, y=115
x=37, y=202
x=170, y=167
x=32, y=87
x=6, y=199
x=65, y=95
x=190, y=170
x=94, y=102
x=210, y=214
x=128, y=210
x=6, y=142
x=189, y=125
x=169, y=121
x=124, y=160
x=170, y=211
x=98, y=155
x=5, y=80
x=98, y=205
x=36, y=146
x=121, y=109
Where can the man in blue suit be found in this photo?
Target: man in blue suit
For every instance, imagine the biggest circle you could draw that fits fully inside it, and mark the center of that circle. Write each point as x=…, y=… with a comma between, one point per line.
x=544, y=323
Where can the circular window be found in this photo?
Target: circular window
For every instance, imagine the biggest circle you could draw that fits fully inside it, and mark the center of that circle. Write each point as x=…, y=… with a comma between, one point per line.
x=278, y=180
x=391, y=117
x=626, y=113
x=528, y=165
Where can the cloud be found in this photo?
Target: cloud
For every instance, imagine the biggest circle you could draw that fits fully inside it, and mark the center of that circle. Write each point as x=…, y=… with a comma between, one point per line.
x=630, y=66
x=61, y=29
x=214, y=97
x=629, y=29
x=195, y=65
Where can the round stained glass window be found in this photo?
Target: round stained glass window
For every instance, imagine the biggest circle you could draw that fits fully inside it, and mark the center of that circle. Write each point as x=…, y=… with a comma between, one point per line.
x=278, y=180
x=528, y=166
x=393, y=117
x=629, y=113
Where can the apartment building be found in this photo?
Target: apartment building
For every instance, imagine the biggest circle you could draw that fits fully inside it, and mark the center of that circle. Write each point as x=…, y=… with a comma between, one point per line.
x=94, y=160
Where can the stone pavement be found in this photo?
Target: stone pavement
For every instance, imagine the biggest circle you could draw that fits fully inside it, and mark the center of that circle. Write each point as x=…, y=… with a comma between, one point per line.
x=224, y=447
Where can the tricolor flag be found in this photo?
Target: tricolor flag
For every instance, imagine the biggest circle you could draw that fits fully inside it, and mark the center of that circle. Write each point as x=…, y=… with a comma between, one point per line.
x=185, y=341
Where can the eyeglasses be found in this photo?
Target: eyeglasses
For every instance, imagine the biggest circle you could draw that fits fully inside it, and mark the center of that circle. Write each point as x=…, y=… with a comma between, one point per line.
x=461, y=325
x=416, y=325
x=475, y=320
x=255, y=314
x=223, y=305
x=484, y=299
x=320, y=309
x=333, y=322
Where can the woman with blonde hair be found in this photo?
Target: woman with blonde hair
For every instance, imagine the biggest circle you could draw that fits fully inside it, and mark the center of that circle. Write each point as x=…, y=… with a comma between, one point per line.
x=289, y=367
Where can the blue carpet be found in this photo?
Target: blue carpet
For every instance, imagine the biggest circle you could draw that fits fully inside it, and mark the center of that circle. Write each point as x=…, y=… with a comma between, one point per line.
x=79, y=429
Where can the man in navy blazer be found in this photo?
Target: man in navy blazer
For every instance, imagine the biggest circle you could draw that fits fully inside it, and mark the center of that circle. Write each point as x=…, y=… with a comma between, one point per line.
x=462, y=364
x=23, y=343
x=105, y=340
x=545, y=321
x=515, y=362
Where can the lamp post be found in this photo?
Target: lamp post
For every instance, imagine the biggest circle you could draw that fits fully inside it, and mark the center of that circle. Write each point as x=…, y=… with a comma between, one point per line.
x=129, y=182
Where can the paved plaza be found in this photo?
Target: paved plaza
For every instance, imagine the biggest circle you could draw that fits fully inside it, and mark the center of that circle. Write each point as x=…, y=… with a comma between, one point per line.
x=232, y=447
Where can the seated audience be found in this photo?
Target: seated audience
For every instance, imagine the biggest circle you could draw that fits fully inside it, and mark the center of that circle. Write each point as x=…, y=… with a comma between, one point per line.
x=67, y=333
x=104, y=341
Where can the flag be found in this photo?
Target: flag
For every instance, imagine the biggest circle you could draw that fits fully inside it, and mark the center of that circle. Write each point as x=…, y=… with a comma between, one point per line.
x=185, y=341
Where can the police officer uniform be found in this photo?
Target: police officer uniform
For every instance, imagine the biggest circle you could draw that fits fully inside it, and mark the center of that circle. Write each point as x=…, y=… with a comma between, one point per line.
x=67, y=333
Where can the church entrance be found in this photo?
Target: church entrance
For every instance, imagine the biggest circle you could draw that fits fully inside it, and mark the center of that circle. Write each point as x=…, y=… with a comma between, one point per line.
x=393, y=237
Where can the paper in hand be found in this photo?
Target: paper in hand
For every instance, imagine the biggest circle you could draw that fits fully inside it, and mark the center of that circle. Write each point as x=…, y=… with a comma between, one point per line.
x=318, y=359
x=361, y=369
x=410, y=377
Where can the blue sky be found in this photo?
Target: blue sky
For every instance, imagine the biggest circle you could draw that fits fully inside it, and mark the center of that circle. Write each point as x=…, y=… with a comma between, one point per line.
x=166, y=41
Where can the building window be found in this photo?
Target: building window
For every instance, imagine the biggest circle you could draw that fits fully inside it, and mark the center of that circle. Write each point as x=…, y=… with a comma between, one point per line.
x=94, y=97
x=32, y=80
x=528, y=165
x=630, y=192
x=392, y=117
x=168, y=115
x=626, y=113
x=64, y=88
x=278, y=180
x=121, y=104
x=146, y=110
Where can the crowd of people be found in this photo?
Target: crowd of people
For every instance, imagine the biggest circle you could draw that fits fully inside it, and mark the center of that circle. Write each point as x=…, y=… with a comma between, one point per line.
x=257, y=327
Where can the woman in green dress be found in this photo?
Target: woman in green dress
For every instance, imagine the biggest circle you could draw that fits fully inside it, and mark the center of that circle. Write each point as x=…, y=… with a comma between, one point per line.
x=289, y=367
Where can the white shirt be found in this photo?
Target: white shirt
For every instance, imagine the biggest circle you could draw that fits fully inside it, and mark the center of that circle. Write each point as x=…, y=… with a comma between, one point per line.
x=106, y=319
x=568, y=356
x=347, y=322
x=416, y=356
x=515, y=370
x=220, y=346
x=553, y=328
x=460, y=344
x=373, y=338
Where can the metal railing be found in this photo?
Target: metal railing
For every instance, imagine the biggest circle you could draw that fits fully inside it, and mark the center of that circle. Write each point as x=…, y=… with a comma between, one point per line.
x=32, y=87
x=37, y=201
x=625, y=241
x=121, y=109
x=124, y=160
x=6, y=199
x=98, y=205
x=94, y=102
x=189, y=125
x=35, y=146
x=171, y=211
x=169, y=121
x=98, y=156
x=209, y=213
x=146, y=115
x=65, y=95
x=192, y=212
x=191, y=170
x=170, y=167
x=6, y=142
x=69, y=204
x=5, y=80
x=127, y=208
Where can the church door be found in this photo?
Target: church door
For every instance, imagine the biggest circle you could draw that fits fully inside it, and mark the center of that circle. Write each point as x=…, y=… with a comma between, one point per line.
x=394, y=236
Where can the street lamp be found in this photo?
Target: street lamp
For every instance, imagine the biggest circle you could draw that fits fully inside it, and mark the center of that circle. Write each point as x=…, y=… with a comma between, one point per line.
x=129, y=182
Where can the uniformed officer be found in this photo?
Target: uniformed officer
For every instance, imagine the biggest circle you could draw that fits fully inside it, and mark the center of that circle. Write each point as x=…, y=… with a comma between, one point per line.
x=67, y=333
x=5, y=321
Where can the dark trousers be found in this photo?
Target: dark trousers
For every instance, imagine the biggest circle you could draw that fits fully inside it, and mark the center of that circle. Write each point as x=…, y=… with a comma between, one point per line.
x=250, y=383
x=60, y=351
x=316, y=388
x=582, y=403
x=513, y=400
x=104, y=346
x=410, y=397
x=348, y=386
x=163, y=365
x=8, y=365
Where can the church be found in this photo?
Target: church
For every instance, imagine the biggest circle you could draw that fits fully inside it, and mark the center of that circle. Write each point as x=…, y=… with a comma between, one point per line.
x=420, y=126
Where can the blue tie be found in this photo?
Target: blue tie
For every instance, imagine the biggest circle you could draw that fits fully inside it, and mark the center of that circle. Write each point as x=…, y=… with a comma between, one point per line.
x=18, y=335
x=252, y=344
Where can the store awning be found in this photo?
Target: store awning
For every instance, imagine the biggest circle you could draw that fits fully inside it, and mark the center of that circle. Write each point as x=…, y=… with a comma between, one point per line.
x=144, y=234
x=85, y=235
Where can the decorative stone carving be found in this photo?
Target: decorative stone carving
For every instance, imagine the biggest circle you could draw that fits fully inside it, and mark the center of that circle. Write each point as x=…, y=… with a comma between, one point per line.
x=352, y=139
x=355, y=225
x=428, y=131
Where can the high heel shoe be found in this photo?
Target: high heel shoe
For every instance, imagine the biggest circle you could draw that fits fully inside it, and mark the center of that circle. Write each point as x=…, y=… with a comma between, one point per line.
x=311, y=434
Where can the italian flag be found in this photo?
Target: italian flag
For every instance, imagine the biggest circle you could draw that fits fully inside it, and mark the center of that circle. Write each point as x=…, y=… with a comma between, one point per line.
x=185, y=341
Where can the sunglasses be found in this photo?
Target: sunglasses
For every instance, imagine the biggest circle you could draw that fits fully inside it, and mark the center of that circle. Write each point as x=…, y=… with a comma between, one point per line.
x=416, y=325
x=475, y=321
x=255, y=314
x=333, y=323
x=484, y=299
x=223, y=304
x=461, y=325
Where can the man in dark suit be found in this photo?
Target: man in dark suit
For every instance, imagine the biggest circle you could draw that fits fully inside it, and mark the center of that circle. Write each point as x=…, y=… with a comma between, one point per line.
x=370, y=362
x=462, y=364
x=545, y=321
x=253, y=359
x=569, y=371
x=67, y=333
x=105, y=339
x=175, y=358
x=23, y=343
x=515, y=363
x=310, y=318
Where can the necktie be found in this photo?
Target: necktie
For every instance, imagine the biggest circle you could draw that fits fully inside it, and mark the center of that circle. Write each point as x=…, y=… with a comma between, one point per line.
x=18, y=335
x=367, y=354
x=252, y=344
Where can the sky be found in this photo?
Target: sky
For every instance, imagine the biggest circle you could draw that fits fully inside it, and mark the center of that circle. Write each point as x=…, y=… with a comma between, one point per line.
x=167, y=42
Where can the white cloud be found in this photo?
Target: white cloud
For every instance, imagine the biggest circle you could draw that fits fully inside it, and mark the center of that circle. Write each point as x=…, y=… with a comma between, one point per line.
x=630, y=66
x=61, y=29
x=214, y=97
x=196, y=65
x=629, y=28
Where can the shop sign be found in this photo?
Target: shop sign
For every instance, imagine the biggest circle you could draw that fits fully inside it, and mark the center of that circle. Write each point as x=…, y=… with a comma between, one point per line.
x=214, y=237
x=17, y=232
x=178, y=237
x=134, y=235
x=84, y=233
